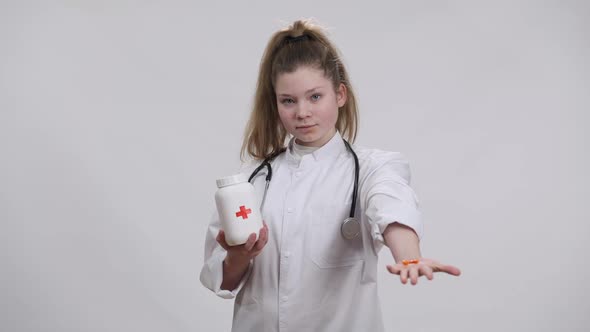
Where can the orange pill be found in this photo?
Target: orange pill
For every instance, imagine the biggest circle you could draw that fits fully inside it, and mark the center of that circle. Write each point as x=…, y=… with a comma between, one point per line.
x=411, y=261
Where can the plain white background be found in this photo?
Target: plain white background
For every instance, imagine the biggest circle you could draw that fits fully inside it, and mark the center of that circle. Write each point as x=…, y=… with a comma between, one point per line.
x=116, y=117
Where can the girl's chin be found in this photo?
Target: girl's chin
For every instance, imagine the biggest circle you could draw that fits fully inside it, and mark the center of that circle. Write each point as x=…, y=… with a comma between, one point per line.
x=311, y=138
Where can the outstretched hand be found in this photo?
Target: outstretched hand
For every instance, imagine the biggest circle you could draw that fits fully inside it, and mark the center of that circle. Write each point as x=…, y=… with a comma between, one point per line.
x=425, y=267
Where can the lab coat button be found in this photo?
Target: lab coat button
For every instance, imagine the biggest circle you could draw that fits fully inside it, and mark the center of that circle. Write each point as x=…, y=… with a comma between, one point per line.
x=285, y=298
x=290, y=210
x=287, y=254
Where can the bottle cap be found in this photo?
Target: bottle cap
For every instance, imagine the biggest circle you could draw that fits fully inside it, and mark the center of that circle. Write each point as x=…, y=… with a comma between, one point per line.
x=232, y=179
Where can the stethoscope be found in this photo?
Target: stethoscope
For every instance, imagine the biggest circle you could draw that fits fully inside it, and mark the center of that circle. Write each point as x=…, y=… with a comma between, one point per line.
x=350, y=227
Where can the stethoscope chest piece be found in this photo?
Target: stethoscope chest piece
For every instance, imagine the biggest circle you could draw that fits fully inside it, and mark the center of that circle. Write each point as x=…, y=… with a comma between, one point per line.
x=350, y=228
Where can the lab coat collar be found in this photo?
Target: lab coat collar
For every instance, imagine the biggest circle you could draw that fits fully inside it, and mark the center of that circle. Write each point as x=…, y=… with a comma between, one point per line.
x=329, y=150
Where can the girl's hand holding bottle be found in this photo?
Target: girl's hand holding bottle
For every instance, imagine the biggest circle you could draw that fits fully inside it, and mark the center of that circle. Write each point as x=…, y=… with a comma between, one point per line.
x=242, y=254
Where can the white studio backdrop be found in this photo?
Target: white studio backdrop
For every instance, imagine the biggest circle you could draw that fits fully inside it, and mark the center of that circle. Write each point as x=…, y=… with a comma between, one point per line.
x=116, y=117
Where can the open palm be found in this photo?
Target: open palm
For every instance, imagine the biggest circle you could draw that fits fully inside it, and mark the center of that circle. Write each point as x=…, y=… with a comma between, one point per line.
x=425, y=267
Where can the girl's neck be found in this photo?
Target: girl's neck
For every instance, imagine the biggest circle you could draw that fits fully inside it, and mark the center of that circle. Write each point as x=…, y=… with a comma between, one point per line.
x=301, y=150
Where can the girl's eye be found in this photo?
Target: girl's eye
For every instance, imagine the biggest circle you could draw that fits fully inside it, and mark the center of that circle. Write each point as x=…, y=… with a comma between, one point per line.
x=287, y=101
x=315, y=97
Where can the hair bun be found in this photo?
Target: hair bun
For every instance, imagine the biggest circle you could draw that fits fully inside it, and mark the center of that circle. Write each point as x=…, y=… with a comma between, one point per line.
x=299, y=26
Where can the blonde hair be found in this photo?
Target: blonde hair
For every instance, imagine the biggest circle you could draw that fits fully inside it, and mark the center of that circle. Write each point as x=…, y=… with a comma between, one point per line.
x=301, y=44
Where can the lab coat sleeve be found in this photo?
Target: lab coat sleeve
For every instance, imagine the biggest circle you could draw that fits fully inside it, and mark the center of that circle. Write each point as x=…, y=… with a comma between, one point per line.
x=388, y=198
x=212, y=271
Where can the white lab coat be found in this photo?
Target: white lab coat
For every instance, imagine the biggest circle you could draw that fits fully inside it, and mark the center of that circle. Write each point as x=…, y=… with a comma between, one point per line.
x=308, y=277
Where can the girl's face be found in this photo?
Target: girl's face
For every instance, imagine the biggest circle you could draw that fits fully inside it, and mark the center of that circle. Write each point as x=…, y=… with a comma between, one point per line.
x=308, y=105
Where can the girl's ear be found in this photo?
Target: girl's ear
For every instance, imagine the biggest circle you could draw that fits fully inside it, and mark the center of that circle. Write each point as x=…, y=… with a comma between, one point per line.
x=341, y=95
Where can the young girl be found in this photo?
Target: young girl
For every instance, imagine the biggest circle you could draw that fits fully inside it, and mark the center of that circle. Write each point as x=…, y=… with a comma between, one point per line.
x=312, y=267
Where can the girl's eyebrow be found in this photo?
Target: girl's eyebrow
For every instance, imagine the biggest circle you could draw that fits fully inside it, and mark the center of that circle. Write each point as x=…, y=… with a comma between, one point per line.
x=306, y=92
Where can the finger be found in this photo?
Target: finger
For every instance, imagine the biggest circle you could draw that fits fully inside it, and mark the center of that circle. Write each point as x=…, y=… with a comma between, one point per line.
x=413, y=274
x=254, y=252
x=426, y=270
x=403, y=275
x=250, y=243
x=394, y=269
x=452, y=270
x=265, y=238
x=267, y=233
x=221, y=240
x=261, y=240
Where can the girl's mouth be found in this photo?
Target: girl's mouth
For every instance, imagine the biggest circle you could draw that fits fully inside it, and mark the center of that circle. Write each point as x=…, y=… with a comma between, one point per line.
x=305, y=127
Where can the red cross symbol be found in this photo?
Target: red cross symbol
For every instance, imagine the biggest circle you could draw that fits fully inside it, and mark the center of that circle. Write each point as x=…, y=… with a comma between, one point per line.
x=243, y=212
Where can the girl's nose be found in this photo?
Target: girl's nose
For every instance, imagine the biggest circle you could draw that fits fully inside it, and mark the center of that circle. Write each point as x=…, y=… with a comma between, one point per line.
x=304, y=110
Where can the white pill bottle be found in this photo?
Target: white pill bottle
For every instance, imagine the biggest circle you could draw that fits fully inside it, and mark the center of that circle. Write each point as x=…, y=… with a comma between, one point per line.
x=238, y=209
